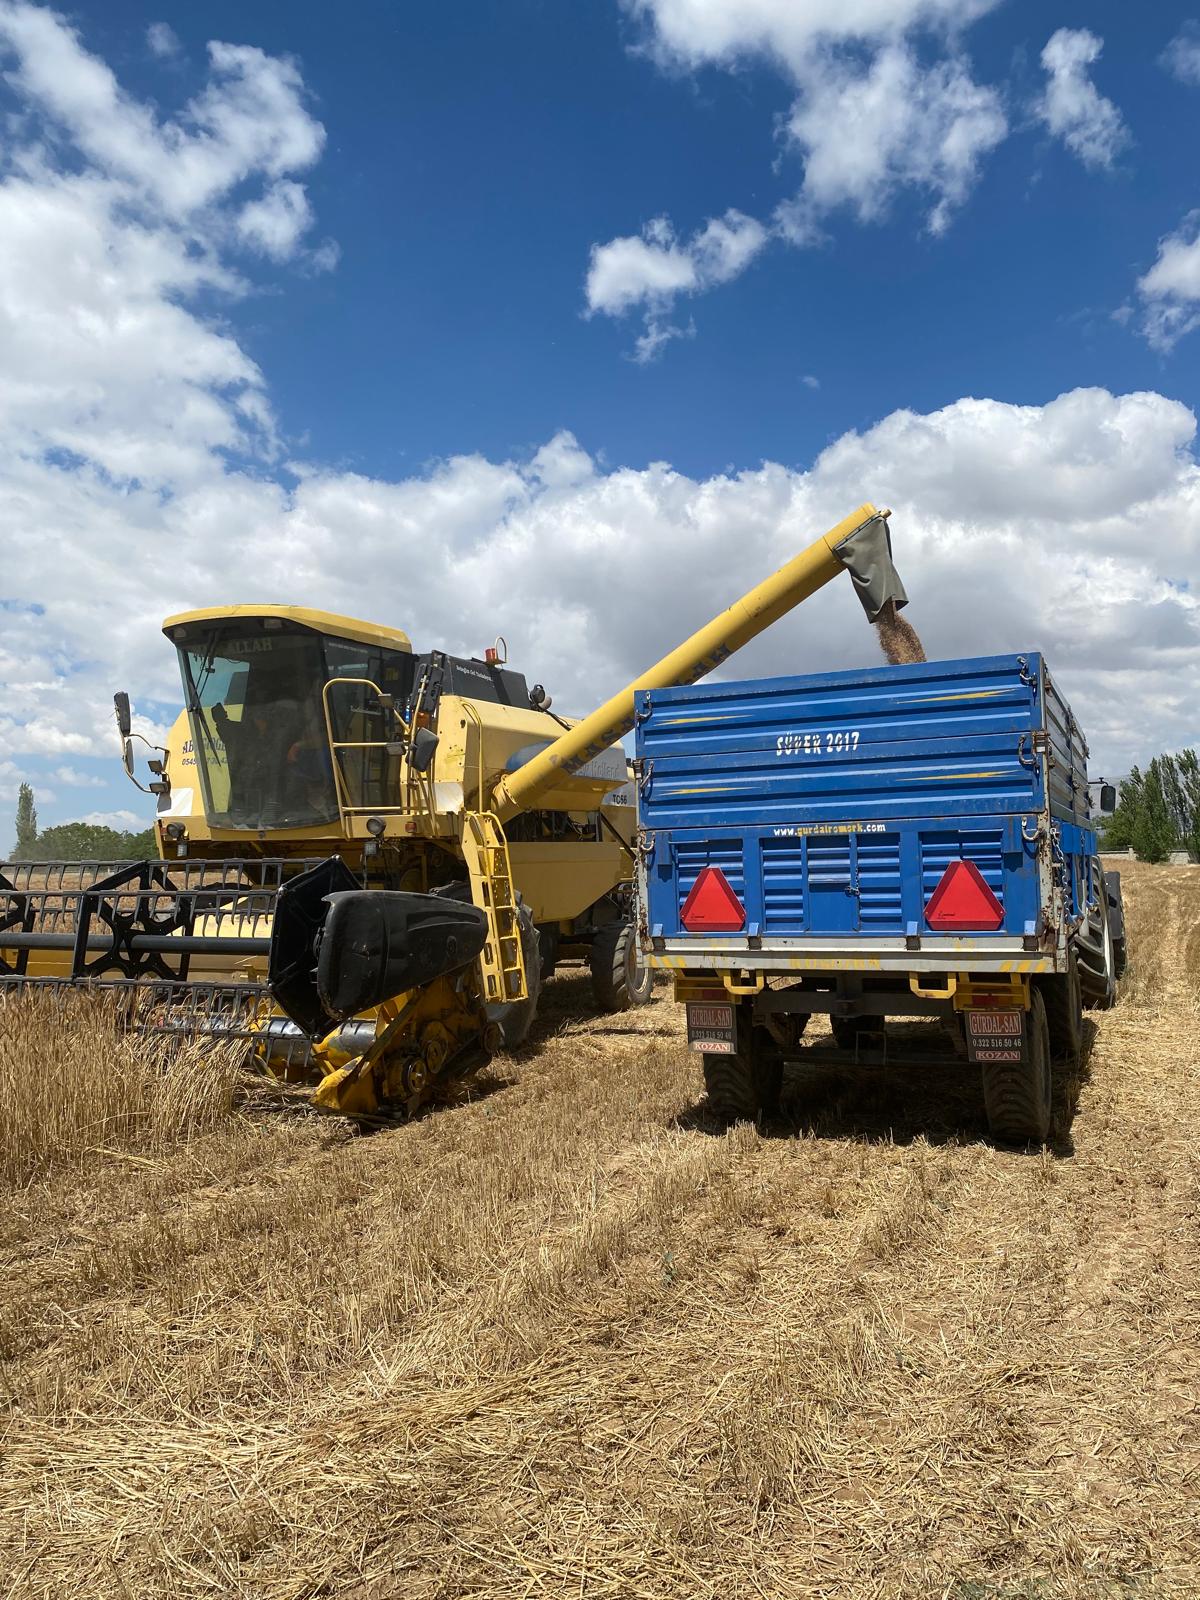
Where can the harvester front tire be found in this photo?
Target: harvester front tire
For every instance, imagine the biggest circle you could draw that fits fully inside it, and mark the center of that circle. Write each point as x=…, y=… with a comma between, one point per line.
x=516, y=1018
x=745, y=1086
x=620, y=977
x=1018, y=1094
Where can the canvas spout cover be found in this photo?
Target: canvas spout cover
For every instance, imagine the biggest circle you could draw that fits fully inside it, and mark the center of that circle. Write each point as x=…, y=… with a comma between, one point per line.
x=867, y=556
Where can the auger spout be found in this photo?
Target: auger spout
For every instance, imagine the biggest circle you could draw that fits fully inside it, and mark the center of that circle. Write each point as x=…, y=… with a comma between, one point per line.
x=859, y=544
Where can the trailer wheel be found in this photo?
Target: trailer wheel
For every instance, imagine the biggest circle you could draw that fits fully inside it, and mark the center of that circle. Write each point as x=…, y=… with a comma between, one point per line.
x=1104, y=994
x=516, y=1018
x=745, y=1086
x=1096, y=947
x=620, y=977
x=1116, y=922
x=1017, y=1094
x=1063, y=999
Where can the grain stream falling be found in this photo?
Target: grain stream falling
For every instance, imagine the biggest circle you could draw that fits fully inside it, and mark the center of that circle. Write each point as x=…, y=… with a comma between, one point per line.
x=898, y=639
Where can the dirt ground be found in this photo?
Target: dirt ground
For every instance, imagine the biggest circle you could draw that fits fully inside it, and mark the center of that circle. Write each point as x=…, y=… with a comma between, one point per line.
x=567, y=1338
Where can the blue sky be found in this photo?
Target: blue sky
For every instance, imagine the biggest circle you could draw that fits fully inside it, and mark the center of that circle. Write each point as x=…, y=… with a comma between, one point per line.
x=366, y=406
x=477, y=151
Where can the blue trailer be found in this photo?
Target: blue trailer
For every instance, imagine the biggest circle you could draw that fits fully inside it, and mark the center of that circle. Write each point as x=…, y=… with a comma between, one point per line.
x=905, y=841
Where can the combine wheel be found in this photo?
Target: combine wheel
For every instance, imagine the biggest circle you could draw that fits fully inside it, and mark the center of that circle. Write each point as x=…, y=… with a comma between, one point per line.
x=1017, y=1094
x=620, y=977
x=847, y=1031
x=745, y=1086
x=516, y=1018
x=548, y=949
x=1063, y=1000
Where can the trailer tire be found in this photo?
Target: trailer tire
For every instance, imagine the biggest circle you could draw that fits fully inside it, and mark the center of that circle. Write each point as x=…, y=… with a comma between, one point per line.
x=620, y=977
x=516, y=1017
x=1063, y=999
x=1116, y=922
x=1017, y=1095
x=1104, y=993
x=747, y=1085
x=1096, y=944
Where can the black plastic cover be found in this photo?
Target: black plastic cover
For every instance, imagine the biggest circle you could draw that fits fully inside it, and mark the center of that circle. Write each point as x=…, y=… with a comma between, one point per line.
x=338, y=949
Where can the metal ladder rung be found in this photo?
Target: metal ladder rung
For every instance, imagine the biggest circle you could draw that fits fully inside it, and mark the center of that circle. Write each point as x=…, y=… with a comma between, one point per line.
x=502, y=962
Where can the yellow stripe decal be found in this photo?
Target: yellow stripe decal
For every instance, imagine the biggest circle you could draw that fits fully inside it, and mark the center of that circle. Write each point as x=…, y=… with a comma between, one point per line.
x=941, y=777
x=957, y=694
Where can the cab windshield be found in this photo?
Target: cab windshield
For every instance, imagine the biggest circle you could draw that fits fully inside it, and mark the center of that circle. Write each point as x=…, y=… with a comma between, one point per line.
x=254, y=696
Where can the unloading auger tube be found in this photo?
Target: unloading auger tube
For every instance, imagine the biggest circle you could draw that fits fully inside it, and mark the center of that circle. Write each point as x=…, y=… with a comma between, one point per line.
x=859, y=544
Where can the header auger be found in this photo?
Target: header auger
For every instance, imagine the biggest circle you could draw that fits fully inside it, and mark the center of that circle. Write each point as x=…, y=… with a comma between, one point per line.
x=371, y=858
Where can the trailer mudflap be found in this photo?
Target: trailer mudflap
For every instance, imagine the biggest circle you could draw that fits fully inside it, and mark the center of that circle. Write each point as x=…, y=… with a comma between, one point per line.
x=712, y=1027
x=995, y=1035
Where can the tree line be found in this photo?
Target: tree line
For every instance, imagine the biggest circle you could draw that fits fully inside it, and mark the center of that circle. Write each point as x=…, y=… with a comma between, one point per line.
x=75, y=841
x=1158, y=810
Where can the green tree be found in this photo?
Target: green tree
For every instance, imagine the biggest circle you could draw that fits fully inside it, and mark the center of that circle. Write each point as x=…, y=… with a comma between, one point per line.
x=90, y=841
x=26, y=824
x=1118, y=829
x=1154, y=832
x=1187, y=766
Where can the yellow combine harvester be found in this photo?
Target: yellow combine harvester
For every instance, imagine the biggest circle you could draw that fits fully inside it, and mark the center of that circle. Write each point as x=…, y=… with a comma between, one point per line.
x=373, y=857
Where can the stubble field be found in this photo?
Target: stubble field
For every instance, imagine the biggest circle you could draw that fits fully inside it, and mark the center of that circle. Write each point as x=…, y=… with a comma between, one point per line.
x=567, y=1337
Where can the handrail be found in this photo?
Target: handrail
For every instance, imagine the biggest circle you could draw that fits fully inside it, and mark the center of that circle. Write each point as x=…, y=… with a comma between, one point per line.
x=471, y=711
x=341, y=789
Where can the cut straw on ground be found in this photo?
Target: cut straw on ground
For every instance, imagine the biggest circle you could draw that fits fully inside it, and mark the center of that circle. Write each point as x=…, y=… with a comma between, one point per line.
x=568, y=1337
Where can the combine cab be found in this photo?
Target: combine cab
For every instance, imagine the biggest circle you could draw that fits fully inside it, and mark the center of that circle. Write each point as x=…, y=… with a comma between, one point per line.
x=370, y=858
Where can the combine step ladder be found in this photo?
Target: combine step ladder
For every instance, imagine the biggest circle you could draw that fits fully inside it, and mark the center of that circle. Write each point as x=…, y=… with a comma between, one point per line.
x=503, y=959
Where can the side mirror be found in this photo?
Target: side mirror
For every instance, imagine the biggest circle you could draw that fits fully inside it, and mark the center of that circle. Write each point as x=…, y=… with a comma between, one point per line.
x=124, y=720
x=1108, y=799
x=422, y=750
x=127, y=756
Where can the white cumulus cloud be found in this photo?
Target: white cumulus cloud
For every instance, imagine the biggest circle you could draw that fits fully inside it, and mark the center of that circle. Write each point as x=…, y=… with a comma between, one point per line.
x=128, y=490
x=695, y=32
x=869, y=120
x=163, y=41
x=1181, y=58
x=651, y=269
x=866, y=131
x=1071, y=106
x=1170, y=291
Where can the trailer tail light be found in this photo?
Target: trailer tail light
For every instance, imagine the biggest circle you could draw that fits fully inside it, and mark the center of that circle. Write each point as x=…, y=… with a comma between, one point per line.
x=962, y=902
x=712, y=906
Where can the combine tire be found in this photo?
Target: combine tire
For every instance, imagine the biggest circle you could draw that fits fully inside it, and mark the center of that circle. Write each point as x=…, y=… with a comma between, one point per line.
x=516, y=1018
x=620, y=978
x=848, y=1030
x=1063, y=1000
x=745, y=1086
x=1017, y=1094
x=548, y=949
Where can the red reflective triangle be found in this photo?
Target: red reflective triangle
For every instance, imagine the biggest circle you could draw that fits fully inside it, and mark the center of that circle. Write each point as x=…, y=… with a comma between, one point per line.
x=962, y=901
x=712, y=906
